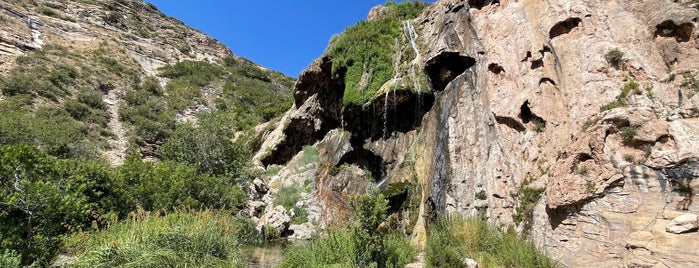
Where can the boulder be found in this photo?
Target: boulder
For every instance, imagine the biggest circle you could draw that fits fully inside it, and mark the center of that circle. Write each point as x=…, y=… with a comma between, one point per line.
x=303, y=231
x=685, y=223
x=277, y=218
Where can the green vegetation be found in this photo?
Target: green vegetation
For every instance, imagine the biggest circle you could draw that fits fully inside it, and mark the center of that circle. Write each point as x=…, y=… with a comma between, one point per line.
x=615, y=58
x=528, y=197
x=452, y=239
x=690, y=81
x=363, y=244
x=627, y=134
x=481, y=195
x=366, y=51
x=287, y=196
x=181, y=239
x=630, y=87
x=43, y=198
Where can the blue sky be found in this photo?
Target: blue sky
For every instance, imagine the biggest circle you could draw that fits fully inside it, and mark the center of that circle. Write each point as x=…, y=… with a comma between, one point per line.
x=283, y=35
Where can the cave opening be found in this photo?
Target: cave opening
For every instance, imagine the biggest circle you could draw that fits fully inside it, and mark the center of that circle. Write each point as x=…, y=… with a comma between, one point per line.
x=668, y=28
x=564, y=27
x=446, y=66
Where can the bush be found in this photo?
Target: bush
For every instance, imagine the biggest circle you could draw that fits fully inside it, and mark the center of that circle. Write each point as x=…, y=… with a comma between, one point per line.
x=288, y=196
x=362, y=245
x=207, y=147
x=528, y=197
x=38, y=203
x=628, y=134
x=10, y=259
x=201, y=239
x=452, y=239
x=614, y=57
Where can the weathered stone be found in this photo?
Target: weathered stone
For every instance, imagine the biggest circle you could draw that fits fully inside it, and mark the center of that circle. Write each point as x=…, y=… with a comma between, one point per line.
x=276, y=218
x=303, y=231
x=682, y=224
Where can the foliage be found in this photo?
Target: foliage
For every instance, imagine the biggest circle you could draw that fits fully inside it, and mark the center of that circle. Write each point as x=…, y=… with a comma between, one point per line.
x=287, y=196
x=453, y=239
x=614, y=57
x=365, y=51
x=10, y=259
x=690, y=81
x=43, y=198
x=528, y=197
x=370, y=212
x=182, y=239
x=38, y=202
x=207, y=147
x=147, y=111
x=168, y=185
x=361, y=245
x=630, y=87
x=627, y=134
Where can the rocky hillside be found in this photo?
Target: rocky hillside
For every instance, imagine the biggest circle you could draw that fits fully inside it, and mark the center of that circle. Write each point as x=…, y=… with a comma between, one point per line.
x=119, y=74
x=574, y=121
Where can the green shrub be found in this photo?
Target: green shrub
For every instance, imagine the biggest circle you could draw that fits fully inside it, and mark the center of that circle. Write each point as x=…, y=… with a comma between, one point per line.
x=207, y=147
x=38, y=203
x=614, y=57
x=10, y=259
x=361, y=245
x=452, y=239
x=287, y=196
x=201, y=239
x=628, y=134
x=528, y=197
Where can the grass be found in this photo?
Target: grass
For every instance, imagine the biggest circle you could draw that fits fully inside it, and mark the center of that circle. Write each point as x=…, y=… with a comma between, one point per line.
x=628, y=134
x=338, y=249
x=630, y=87
x=591, y=122
x=201, y=239
x=455, y=238
x=287, y=196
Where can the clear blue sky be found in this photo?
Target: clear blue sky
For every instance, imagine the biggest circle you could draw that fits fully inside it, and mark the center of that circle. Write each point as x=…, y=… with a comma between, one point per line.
x=283, y=35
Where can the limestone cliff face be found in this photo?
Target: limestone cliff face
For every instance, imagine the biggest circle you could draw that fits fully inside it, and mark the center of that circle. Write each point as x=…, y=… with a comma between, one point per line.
x=526, y=95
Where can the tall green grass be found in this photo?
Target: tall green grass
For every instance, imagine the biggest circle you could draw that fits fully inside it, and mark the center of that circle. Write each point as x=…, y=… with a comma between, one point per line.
x=340, y=248
x=180, y=239
x=452, y=239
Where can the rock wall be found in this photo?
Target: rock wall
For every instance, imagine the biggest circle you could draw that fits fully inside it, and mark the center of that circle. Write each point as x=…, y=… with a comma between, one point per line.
x=527, y=94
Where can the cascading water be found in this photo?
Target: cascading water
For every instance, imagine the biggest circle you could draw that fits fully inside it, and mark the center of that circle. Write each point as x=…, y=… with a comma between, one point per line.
x=412, y=37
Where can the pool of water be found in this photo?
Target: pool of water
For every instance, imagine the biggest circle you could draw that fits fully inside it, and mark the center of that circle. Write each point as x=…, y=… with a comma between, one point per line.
x=266, y=255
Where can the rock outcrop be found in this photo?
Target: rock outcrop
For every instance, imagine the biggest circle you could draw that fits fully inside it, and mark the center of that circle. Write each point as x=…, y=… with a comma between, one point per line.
x=529, y=94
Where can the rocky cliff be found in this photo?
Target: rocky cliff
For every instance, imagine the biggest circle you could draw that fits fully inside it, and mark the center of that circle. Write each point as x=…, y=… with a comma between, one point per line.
x=126, y=72
x=575, y=121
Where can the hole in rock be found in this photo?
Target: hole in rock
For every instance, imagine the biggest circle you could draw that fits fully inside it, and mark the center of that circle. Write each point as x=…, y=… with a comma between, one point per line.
x=547, y=80
x=527, y=57
x=446, y=66
x=366, y=160
x=495, y=68
x=537, y=63
x=526, y=115
x=478, y=4
x=668, y=28
x=510, y=122
x=564, y=27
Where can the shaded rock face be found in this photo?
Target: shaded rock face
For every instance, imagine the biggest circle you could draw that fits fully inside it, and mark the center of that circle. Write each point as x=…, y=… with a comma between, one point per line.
x=520, y=97
x=317, y=108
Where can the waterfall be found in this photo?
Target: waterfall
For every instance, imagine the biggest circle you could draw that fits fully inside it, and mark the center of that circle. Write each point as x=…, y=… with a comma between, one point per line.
x=412, y=36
